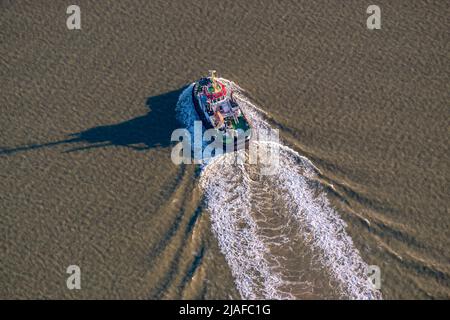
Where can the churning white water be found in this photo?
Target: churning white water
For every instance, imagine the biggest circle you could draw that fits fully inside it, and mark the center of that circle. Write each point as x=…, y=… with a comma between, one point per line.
x=276, y=229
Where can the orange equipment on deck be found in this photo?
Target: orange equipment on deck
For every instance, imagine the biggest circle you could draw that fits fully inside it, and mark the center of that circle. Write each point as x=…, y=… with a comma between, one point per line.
x=218, y=117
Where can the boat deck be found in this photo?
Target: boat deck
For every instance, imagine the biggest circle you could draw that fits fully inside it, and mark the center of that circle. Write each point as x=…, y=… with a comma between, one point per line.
x=242, y=124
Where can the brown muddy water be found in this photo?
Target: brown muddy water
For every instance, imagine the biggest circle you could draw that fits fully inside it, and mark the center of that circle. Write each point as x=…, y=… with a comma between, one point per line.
x=86, y=176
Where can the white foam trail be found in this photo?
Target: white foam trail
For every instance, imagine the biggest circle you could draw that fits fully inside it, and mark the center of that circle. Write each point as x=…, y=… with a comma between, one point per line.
x=185, y=112
x=229, y=192
x=229, y=205
x=324, y=227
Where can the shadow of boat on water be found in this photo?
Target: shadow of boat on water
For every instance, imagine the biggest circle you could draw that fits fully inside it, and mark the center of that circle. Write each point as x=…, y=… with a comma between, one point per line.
x=151, y=130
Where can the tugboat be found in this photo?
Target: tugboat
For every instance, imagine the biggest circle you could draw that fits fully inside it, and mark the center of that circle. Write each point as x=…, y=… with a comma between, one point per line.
x=216, y=107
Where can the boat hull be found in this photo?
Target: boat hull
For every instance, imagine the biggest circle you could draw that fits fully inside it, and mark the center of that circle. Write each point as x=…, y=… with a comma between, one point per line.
x=208, y=125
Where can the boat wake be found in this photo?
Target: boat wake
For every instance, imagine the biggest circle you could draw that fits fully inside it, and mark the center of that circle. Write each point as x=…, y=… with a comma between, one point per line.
x=279, y=234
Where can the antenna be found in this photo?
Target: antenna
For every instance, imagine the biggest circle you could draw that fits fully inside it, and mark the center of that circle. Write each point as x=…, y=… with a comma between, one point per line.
x=212, y=74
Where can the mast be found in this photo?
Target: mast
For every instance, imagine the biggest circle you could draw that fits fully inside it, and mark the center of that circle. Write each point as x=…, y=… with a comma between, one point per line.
x=212, y=74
